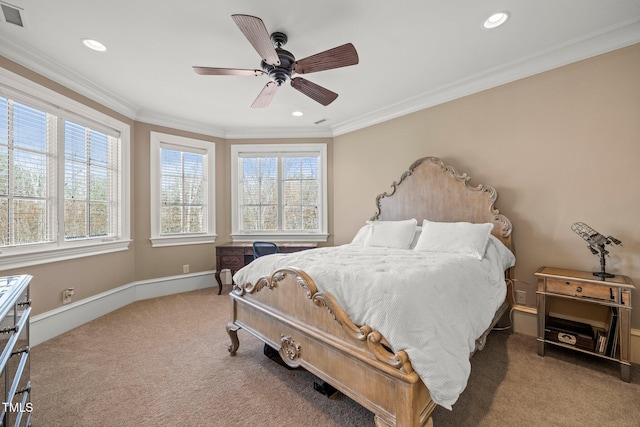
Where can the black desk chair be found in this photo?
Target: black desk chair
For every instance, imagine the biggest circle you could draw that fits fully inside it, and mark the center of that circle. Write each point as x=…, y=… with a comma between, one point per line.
x=264, y=248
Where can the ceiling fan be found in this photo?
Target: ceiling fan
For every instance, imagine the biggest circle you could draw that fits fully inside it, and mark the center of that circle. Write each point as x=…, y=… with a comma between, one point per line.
x=280, y=64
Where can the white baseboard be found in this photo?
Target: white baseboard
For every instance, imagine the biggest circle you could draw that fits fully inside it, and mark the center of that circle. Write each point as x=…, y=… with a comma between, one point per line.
x=525, y=322
x=55, y=322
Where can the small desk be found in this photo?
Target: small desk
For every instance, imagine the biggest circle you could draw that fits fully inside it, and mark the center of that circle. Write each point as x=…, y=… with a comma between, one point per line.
x=234, y=256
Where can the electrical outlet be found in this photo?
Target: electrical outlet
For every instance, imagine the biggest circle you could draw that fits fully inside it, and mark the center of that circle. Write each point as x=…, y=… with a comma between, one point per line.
x=521, y=297
x=66, y=295
x=185, y=268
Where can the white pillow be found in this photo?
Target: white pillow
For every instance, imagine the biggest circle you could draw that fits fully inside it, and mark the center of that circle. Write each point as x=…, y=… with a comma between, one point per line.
x=361, y=235
x=507, y=257
x=391, y=234
x=454, y=237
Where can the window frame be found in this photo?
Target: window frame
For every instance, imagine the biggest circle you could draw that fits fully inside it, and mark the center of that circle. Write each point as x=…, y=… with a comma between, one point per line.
x=35, y=95
x=157, y=141
x=319, y=149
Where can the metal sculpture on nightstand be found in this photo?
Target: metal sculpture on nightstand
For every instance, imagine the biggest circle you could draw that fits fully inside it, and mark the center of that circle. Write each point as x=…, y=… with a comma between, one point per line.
x=596, y=245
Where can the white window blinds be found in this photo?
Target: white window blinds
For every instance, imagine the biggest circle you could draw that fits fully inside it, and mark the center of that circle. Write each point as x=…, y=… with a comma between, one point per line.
x=27, y=166
x=183, y=188
x=259, y=193
x=280, y=191
x=30, y=140
x=90, y=182
x=301, y=193
x=182, y=177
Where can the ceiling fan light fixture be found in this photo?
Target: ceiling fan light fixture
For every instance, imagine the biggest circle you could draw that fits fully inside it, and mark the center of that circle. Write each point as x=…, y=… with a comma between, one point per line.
x=496, y=19
x=297, y=113
x=94, y=45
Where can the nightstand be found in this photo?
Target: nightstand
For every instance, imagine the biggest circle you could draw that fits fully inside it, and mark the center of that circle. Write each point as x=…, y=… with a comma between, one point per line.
x=610, y=342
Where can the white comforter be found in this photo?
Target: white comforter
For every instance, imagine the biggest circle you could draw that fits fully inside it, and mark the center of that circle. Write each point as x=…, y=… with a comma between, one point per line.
x=432, y=305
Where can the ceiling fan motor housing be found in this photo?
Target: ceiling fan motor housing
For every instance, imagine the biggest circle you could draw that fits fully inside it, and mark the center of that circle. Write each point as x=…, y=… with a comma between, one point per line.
x=280, y=73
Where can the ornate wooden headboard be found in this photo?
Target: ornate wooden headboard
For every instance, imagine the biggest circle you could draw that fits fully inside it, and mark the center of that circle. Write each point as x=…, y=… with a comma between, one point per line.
x=434, y=191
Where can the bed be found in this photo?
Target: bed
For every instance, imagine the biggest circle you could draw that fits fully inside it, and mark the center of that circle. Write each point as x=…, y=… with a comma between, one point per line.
x=294, y=311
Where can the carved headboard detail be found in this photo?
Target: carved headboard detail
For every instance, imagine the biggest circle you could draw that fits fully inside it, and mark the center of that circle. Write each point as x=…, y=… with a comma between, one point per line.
x=435, y=191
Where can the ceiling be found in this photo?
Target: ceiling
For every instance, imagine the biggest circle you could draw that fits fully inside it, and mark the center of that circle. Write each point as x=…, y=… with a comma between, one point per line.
x=412, y=54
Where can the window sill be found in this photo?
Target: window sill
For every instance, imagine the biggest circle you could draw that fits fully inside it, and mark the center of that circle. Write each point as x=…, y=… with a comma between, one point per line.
x=180, y=240
x=280, y=237
x=11, y=258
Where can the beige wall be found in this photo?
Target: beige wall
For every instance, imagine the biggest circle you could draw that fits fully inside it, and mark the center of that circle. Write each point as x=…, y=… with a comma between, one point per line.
x=167, y=261
x=560, y=147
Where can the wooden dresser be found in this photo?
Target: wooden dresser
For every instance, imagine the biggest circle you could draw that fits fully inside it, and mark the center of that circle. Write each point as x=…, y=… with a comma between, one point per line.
x=15, y=310
x=234, y=256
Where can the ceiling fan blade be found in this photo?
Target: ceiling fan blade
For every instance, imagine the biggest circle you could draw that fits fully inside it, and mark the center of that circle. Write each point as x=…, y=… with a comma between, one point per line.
x=210, y=71
x=265, y=96
x=341, y=56
x=314, y=91
x=254, y=30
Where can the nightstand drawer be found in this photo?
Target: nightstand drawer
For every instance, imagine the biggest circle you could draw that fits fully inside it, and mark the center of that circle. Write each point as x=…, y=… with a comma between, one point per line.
x=581, y=289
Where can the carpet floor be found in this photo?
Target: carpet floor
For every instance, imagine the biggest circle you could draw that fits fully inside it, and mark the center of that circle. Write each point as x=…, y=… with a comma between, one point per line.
x=164, y=362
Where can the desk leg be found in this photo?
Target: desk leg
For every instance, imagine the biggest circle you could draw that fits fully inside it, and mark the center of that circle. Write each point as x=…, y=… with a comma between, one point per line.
x=219, y=281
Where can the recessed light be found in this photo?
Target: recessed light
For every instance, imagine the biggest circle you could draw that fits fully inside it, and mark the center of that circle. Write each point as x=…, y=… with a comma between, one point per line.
x=94, y=44
x=496, y=20
x=297, y=113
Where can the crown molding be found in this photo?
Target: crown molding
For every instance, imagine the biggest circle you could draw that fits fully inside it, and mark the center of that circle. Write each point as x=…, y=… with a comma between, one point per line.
x=279, y=132
x=15, y=50
x=158, y=119
x=605, y=40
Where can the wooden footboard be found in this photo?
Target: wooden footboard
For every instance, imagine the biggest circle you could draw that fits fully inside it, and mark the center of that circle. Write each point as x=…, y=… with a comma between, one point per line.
x=310, y=329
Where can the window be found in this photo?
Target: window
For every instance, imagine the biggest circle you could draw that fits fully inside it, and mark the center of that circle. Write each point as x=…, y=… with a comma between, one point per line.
x=27, y=139
x=63, y=177
x=279, y=192
x=182, y=197
x=90, y=183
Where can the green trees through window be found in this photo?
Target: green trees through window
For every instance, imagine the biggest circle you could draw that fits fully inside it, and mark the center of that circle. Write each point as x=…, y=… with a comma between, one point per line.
x=182, y=192
x=279, y=193
x=30, y=187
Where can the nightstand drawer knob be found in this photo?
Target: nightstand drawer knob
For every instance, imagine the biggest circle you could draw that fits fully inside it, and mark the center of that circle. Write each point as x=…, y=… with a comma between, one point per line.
x=579, y=289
